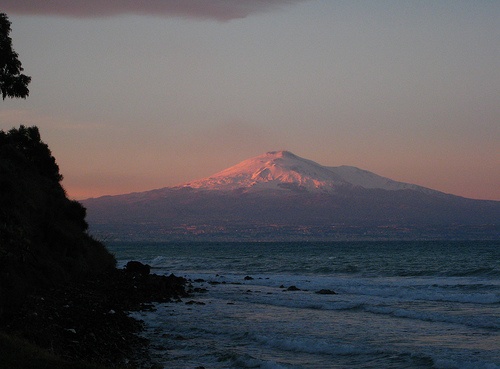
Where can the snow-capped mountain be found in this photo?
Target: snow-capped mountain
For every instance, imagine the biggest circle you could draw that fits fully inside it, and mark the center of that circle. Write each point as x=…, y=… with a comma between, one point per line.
x=272, y=170
x=281, y=196
x=284, y=170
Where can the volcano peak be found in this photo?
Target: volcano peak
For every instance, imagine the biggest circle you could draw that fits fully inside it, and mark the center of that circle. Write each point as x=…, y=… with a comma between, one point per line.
x=272, y=170
x=282, y=170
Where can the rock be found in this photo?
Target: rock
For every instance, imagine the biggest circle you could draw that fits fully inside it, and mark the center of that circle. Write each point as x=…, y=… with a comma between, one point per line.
x=293, y=288
x=88, y=330
x=326, y=292
x=248, y=278
x=138, y=267
x=200, y=290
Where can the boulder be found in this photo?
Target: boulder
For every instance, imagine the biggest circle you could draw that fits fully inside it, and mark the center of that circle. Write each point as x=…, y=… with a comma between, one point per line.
x=326, y=292
x=138, y=267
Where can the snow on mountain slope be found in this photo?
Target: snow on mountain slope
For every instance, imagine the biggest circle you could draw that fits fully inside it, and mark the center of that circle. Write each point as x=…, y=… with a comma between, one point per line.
x=366, y=179
x=284, y=170
x=272, y=170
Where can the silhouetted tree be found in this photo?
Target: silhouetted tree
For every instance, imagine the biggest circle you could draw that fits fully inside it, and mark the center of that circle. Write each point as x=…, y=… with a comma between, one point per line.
x=13, y=84
x=43, y=233
x=27, y=141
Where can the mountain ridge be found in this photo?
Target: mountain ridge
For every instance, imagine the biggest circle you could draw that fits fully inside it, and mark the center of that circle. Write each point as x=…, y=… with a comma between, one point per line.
x=279, y=195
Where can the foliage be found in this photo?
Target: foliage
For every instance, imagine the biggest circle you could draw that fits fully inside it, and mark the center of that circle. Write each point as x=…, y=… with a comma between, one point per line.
x=43, y=238
x=12, y=83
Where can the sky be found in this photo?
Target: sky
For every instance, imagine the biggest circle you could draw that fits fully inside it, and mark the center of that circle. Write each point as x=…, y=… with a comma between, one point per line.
x=132, y=96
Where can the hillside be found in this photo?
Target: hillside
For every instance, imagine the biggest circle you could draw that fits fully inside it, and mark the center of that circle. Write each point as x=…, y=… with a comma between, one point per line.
x=43, y=234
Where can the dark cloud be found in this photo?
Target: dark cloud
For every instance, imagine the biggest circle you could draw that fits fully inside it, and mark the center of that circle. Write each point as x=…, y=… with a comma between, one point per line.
x=221, y=10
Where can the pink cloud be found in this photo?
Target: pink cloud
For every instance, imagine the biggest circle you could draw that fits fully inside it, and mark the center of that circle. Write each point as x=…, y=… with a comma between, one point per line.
x=221, y=10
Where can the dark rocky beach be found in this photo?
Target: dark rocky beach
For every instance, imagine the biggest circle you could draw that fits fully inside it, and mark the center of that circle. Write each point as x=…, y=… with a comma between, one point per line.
x=87, y=321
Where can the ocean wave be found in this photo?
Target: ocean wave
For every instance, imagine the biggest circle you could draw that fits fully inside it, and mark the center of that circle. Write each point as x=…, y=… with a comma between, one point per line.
x=310, y=346
x=433, y=293
x=486, y=322
x=477, y=272
x=158, y=262
x=463, y=364
x=248, y=361
x=307, y=301
x=352, y=295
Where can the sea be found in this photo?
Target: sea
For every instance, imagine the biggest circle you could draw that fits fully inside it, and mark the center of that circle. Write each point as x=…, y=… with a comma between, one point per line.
x=383, y=304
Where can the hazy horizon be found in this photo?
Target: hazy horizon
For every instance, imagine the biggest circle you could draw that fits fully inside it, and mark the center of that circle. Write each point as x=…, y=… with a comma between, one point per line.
x=132, y=97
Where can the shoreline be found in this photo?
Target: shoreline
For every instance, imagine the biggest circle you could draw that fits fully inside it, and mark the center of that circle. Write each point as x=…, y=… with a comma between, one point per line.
x=88, y=321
